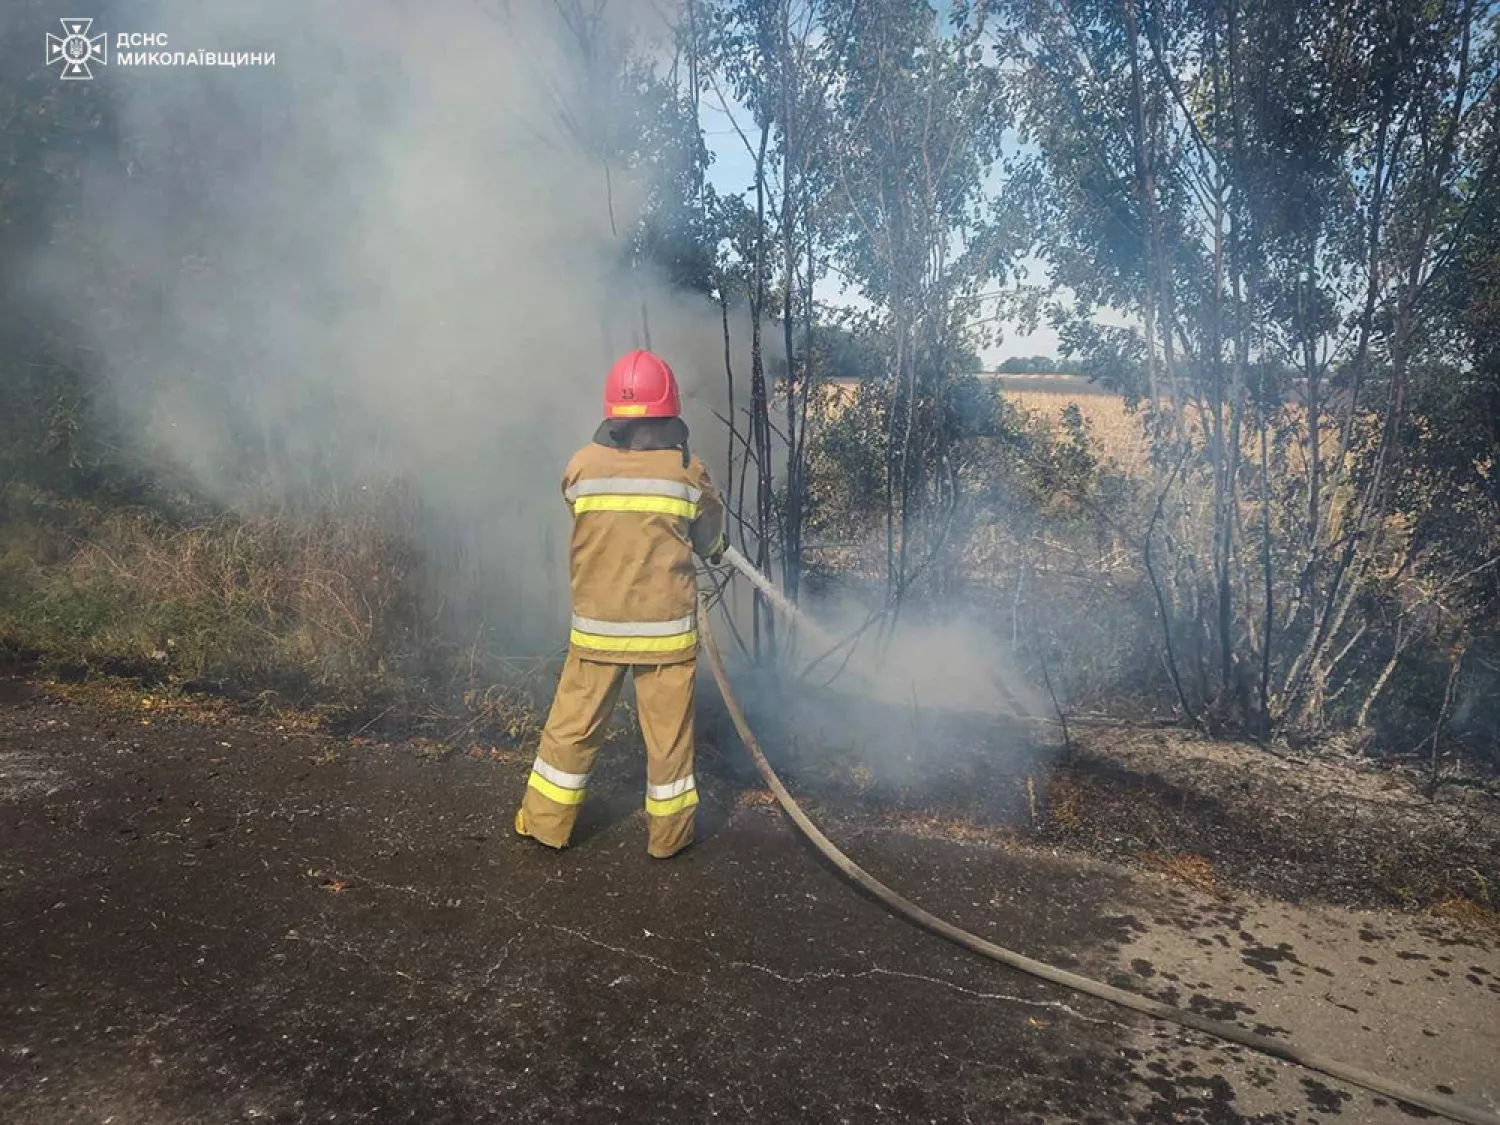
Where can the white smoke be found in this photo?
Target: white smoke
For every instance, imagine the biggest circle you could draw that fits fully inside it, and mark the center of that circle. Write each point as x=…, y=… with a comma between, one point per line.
x=394, y=255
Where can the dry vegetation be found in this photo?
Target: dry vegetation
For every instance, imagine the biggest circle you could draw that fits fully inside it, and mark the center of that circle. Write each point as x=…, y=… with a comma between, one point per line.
x=1119, y=431
x=253, y=600
x=320, y=615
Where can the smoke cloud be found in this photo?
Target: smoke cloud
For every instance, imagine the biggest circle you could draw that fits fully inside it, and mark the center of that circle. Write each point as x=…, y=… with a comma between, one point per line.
x=397, y=258
x=394, y=256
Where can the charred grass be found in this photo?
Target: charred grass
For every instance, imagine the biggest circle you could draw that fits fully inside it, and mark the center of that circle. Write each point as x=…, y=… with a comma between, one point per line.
x=1215, y=815
x=1186, y=811
x=1209, y=814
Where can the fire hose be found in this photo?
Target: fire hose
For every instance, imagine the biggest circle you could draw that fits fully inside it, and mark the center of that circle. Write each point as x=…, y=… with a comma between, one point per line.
x=1156, y=1009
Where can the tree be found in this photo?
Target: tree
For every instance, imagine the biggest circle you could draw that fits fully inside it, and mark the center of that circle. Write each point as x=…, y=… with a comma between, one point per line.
x=1274, y=190
x=918, y=123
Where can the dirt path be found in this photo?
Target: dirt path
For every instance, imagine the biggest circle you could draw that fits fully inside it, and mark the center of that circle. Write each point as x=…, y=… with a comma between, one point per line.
x=216, y=925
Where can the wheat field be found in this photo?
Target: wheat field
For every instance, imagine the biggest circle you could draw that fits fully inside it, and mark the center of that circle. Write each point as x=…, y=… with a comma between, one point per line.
x=1119, y=433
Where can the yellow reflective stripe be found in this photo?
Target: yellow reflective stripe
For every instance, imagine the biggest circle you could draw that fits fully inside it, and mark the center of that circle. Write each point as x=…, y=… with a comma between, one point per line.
x=672, y=804
x=619, y=502
x=624, y=410
x=554, y=792
x=600, y=643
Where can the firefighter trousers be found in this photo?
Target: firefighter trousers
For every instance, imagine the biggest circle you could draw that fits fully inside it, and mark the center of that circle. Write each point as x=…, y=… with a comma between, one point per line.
x=575, y=727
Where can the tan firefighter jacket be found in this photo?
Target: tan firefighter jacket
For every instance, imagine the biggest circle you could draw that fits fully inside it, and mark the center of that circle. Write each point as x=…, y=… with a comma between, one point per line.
x=642, y=505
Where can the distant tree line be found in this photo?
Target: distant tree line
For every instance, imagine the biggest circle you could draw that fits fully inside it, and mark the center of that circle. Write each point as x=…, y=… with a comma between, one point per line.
x=1041, y=365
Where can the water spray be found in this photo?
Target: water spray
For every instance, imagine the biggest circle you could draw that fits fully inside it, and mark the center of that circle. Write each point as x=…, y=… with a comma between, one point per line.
x=740, y=563
x=878, y=680
x=784, y=605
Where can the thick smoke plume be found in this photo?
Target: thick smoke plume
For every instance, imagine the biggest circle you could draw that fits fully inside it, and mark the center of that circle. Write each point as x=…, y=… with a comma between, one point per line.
x=398, y=255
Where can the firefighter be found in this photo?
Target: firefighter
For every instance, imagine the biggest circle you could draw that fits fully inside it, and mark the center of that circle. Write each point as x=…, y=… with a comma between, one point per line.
x=642, y=506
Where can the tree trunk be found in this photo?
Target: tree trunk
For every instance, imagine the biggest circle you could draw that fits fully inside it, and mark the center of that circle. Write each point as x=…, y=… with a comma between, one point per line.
x=792, y=517
x=760, y=427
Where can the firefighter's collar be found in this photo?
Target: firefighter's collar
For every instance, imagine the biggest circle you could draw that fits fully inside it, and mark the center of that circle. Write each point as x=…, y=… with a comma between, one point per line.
x=642, y=433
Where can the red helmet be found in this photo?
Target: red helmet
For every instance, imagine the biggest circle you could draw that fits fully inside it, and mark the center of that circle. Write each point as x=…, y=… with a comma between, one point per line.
x=641, y=385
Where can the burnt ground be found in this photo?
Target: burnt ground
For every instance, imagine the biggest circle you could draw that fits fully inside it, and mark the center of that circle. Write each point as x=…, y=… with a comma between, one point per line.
x=1335, y=828
x=1329, y=828
x=231, y=922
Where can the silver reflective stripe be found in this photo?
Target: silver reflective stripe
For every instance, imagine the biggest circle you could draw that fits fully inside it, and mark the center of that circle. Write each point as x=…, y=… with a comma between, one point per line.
x=633, y=628
x=634, y=486
x=560, y=777
x=671, y=789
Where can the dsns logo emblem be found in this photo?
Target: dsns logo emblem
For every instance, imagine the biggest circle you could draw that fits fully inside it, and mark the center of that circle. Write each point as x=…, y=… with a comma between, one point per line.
x=76, y=50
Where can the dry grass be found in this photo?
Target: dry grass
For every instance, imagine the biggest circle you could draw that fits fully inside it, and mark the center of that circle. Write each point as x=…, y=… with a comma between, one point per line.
x=322, y=612
x=250, y=601
x=126, y=700
x=1066, y=804
x=508, y=709
x=1468, y=913
x=934, y=826
x=757, y=799
x=1119, y=431
x=1193, y=870
x=1122, y=434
